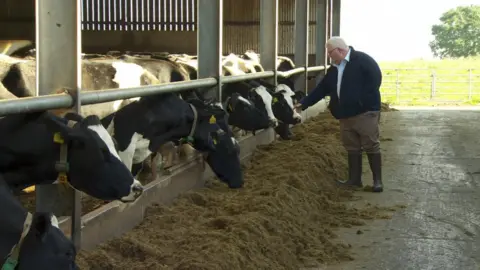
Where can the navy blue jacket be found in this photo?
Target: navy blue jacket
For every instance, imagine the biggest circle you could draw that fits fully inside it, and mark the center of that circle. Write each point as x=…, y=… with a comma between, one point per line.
x=359, y=91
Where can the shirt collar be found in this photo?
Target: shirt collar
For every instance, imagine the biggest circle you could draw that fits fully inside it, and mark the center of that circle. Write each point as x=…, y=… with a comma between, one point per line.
x=347, y=57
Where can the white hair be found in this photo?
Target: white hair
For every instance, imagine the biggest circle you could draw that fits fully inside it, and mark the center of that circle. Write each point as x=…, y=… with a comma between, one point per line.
x=337, y=42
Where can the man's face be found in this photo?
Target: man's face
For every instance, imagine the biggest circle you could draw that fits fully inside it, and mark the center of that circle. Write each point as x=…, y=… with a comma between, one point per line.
x=336, y=54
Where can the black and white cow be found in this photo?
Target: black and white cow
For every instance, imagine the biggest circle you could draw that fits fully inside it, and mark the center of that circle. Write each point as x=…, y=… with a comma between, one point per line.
x=283, y=64
x=98, y=74
x=279, y=100
x=142, y=127
x=31, y=241
x=255, y=99
x=37, y=147
x=243, y=113
x=244, y=64
x=159, y=66
x=283, y=107
x=248, y=110
x=285, y=86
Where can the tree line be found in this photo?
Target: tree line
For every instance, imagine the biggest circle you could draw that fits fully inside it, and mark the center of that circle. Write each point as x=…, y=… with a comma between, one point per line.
x=458, y=33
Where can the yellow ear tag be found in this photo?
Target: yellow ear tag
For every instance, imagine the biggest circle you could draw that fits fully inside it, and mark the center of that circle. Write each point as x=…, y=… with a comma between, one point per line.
x=214, y=141
x=275, y=100
x=230, y=107
x=62, y=178
x=57, y=137
x=213, y=120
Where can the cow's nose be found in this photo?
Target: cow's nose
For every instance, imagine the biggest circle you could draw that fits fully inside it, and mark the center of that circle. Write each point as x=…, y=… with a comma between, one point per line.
x=298, y=120
x=273, y=123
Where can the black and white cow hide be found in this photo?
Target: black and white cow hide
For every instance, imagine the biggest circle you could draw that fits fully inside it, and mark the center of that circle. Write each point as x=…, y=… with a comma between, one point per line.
x=31, y=147
x=31, y=241
x=142, y=127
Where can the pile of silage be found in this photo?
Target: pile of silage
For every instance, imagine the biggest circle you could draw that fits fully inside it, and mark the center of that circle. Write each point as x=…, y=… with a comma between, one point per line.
x=282, y=219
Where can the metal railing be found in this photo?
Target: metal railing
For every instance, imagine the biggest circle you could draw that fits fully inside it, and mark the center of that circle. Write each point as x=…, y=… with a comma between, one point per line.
x=59, y=101
x=139, y=15
x=417, y=85
x=58, y=66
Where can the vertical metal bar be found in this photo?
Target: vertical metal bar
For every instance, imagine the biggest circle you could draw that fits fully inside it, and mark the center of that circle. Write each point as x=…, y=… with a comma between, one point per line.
x=321, y=29
x=209, y=44
x=397, y=85
x=195, y=12
x=58, y=52
x=151, y=14
x=166, y=18
x=96, y=15
x=329, y=24
x=101, y=15
x=106, y=15
x=89, y=14
x=336, y=17
x=301, y=41
x=126, y=15
x=188, y=10
x=182, y=15
x=433, y=84
x=82, y=4
x=269, y=36
x=470, y=84
x=118, y=15
x=133, y=5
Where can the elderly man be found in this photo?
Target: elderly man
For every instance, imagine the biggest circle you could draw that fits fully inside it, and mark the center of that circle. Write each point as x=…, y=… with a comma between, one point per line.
x=353, y=82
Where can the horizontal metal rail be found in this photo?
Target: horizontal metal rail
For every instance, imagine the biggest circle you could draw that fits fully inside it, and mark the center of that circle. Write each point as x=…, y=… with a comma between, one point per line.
x=286, y=74
x=249, y=76
x=59, y=101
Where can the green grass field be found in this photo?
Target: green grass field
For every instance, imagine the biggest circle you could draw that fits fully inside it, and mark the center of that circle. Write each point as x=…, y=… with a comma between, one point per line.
x=410, y=82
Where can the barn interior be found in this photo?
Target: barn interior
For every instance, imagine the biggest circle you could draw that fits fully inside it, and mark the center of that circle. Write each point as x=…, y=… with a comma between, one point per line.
x=134, y=26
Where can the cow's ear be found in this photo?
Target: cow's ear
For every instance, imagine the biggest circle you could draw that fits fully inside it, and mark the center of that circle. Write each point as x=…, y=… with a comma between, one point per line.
x=55, y=125
x=276, y=97
x=73, y=116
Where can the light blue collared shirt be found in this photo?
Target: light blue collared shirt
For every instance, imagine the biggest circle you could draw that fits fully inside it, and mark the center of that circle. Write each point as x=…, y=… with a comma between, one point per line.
x=341, y=68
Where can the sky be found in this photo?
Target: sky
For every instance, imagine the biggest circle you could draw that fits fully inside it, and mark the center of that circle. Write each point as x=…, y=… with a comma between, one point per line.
x=393, y=30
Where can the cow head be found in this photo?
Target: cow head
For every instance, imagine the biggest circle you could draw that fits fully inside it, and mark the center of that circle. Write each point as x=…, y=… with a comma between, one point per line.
x=215, y=139
x=44, y=246
x=282, y=102
x=262, y=99
x=255, y=93
x=95, y=167
x=283, y=105
x=248, y=114
x=203, y=125
x=283, y=128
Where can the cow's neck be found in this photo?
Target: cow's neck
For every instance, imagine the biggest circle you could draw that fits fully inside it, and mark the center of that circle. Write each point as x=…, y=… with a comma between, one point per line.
x=40, y=172
x=121, y=128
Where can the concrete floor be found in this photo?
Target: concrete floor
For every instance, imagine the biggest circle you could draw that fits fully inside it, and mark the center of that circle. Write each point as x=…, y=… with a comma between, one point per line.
x=432, y=165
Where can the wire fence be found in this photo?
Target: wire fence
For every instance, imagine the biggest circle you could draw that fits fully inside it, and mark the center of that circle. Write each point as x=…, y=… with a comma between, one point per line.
x=410, y=86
